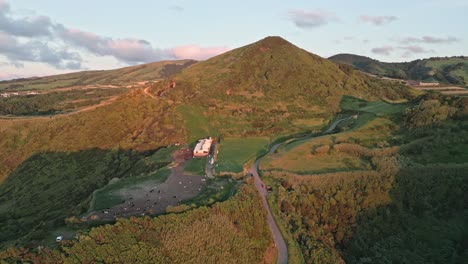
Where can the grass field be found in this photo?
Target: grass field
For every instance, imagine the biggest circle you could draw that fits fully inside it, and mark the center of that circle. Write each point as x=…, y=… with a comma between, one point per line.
x=301, y=161
x=195, y=166
x=196, y=123
x=234, y=152
x=349, y=103
x=372, y=127
x=218, y=189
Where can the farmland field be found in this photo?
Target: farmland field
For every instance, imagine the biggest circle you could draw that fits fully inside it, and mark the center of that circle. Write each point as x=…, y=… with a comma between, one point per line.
x=234, y=152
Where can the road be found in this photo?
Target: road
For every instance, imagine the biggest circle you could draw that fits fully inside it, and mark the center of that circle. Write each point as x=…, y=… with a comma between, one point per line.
x=277, y=237
x=334, y=124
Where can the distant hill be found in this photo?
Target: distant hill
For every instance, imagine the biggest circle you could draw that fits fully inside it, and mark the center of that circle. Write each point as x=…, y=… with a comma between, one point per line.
x=262, y=87
x=123, y=76
x=448, y=70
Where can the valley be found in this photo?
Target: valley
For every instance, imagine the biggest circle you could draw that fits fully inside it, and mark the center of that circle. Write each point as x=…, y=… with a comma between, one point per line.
x=314, y=162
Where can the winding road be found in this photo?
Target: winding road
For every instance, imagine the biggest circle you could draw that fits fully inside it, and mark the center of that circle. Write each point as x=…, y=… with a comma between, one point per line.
x=280, y=243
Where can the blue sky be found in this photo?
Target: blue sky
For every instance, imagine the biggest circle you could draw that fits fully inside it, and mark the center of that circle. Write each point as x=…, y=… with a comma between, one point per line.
x=48, y=37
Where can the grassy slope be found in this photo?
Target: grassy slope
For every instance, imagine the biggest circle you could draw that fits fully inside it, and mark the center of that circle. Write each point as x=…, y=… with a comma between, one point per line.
x=256, y=90
x=133, y=121
x=453, y=70
x=385, y=205
x=123, y=76
x=49, y=187
x=253, y=91
x=235, y=90
x=56, y=102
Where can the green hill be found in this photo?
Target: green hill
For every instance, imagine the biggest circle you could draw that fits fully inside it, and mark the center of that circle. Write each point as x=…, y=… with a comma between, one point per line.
x=261, y=91
x=447, y=70
x=261, y=88
x=123, y=76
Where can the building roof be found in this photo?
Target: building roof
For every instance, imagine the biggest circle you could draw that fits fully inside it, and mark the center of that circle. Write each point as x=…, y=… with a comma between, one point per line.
x=203, y=146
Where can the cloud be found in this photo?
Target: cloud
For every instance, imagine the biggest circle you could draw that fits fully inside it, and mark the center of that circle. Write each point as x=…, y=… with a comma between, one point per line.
x=415, y=49
x=385, y=50
x=134, y=51
x=429, y=40
x=196, y=52
x=35, y=51
x=5, y=75
x=127, y=50
x=311, y=18
x=412, y=49
x=408, y=51
x=377, y=20
x=27, y=26
x=38, y=39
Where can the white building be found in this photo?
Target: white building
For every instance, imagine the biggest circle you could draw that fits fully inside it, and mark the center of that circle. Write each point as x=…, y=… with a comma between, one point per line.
x=202, y=149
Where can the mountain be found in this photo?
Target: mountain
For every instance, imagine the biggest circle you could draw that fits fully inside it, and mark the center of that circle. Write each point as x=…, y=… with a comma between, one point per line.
x=123, y=76
x=262, y=87
x=346, y=196
x=447, y=70
x=263, y=91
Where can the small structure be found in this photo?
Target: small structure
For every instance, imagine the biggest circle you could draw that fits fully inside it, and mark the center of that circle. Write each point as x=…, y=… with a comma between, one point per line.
x=203, y=147
x=172, y=84
x=419, y=83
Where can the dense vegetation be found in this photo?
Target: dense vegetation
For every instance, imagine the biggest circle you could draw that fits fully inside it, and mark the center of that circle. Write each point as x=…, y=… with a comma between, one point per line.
x=248, y=97
x=48, y=187
x=131, y=122
x=452, y=70
x=229, y=95
x=129, y=75
x=55, y=102
x=235, y=91
x=409, y=208
x=234, y=231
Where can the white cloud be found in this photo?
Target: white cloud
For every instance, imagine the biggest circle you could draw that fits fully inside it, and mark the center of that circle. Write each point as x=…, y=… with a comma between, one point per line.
x=377, y=20
x=311, y=18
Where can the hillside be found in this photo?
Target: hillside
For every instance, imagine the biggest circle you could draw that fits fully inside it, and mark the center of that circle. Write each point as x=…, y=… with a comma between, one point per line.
x=119, y=77
x=268, y=88
x=448, y=70
x=385, y=189
x=251, y=96
x=262, y=88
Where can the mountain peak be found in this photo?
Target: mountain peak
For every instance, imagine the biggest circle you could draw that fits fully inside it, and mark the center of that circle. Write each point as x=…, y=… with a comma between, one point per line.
x=273, y=41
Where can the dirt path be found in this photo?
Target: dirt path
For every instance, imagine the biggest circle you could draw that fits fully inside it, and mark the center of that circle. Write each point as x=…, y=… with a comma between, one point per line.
x=146, y=91
x=261, y=188
x=154, y=198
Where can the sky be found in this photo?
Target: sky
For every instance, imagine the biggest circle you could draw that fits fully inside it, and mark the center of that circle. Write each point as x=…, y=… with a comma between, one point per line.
x=48, y=37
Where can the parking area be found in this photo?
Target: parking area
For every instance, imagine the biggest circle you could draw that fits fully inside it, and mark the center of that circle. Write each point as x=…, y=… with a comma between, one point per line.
x=148, y=199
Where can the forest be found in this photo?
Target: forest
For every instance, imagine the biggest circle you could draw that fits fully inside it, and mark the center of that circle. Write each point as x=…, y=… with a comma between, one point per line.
x=234, y=231
x=410, y=207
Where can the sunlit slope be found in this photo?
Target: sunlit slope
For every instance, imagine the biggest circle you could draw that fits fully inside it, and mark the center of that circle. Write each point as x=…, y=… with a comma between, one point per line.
x=123, y=76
